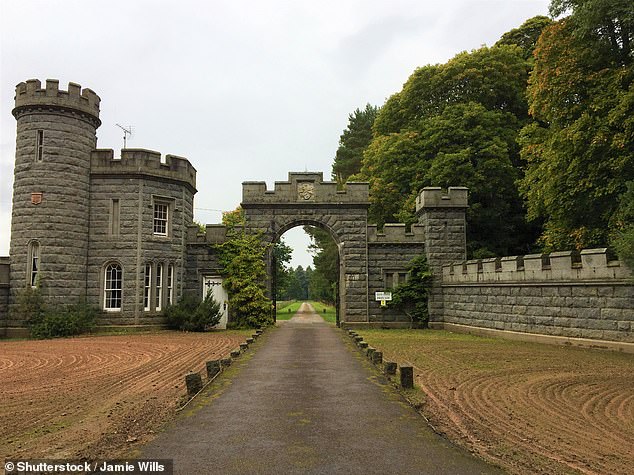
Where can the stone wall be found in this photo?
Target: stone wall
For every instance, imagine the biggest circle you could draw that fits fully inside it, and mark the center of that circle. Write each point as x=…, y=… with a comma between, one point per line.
x=51, y=191
x=4, y=294
x=389, y=254
x=136, y=181
x=561, y=294
x=202, y=259
x=306, y=199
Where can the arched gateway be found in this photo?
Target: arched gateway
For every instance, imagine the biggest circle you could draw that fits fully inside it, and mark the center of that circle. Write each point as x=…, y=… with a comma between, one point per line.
x=305, y=199
x=369, y=261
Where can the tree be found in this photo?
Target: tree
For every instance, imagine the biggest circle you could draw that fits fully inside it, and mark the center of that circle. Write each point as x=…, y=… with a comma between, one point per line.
x=607, y=24
x=242, y=258
x=580, y=148
x=412, y=296
x=298, y=284
x=323, y=280
x=282, y=253
x=623, y=237
x=353, y=142
x=526, y=35
x=456, y=124
x=466, y=145
x=493, y=77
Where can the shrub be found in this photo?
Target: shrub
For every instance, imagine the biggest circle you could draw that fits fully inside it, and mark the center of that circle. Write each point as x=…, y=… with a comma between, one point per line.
x=60, y=321
x=412, y=296
x=191, y=314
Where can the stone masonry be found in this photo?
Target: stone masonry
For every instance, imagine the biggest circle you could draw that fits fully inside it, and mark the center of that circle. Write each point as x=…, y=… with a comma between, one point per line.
x=559, y=294
x=118, y=233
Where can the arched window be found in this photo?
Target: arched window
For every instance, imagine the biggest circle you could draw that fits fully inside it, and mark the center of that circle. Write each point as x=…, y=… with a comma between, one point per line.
x=113, y=287
x=33, y=264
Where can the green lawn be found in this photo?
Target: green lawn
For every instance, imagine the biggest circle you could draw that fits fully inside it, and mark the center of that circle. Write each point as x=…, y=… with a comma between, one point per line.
x=286, y=310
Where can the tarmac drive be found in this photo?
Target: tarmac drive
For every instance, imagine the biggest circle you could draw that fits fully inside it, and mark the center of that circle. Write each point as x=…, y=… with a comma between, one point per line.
x=305, y=403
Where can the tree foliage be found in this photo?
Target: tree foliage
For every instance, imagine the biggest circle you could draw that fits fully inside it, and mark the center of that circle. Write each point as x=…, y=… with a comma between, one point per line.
x=352, y=143
x=323, y=280
x=412, y=296
x=456, y=124
x=242, y=257
x=282, y=254
x=580, y=148
x=607, y=24
x=193, y=314
x=623, y=237
x=526, y=35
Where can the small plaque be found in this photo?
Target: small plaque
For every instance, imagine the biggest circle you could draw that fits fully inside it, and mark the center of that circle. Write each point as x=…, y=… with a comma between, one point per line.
x=36, y=198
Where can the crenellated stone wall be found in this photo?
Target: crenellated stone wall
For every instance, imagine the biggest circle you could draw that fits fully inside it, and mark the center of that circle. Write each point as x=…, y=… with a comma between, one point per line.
x=390, y=252
x=306, y=199
x=563, y=294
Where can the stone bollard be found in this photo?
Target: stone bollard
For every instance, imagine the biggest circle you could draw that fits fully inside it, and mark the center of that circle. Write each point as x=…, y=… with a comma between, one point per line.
x=235, y=353
x=407, y=377
x=250, y=341
x=225, y=362
x=213, y=368
x=255, y=336
x=369, y=351
x=259, y=332
x=244, y=347
x=390, y=367
x=363, y=345
x=358, y=338
x=377, y=357
x=194, y=383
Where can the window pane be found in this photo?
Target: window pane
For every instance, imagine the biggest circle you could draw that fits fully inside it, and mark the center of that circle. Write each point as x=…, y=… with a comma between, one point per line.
x=113, y=287
x=160, y=218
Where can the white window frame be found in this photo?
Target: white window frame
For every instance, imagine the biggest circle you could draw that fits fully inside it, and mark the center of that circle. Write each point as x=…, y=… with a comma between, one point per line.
x=159, y=287
x=147, y=287
x=161, y=218
x=170, y=284
x=111, y=286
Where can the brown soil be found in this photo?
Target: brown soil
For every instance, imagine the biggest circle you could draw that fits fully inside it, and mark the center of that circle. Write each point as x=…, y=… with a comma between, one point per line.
x=529, y=408
x=96, y=397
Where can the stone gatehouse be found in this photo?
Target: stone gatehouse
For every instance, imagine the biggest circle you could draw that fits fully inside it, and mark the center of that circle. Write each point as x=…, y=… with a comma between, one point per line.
x=119, y=232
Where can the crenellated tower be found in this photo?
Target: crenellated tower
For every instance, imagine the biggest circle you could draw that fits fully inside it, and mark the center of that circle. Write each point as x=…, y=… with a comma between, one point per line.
x=56, y=132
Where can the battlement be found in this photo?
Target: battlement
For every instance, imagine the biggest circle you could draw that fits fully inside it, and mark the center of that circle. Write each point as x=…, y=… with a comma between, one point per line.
x=434, y=197
x=31, y=93
x=589, y=265
x=140, y=162
x=304, y=188
x=396, y=234
x=213, y=234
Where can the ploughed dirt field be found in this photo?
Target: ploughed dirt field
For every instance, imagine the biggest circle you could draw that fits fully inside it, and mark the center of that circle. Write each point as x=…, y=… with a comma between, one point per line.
x=527, y=407
x=96, y=397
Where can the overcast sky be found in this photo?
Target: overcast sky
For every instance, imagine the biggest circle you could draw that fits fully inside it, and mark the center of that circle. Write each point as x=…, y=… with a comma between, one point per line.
x=245, y=89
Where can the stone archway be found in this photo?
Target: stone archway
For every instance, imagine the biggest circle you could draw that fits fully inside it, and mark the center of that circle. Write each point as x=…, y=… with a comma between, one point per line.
x=271, y=268
x=307, y=199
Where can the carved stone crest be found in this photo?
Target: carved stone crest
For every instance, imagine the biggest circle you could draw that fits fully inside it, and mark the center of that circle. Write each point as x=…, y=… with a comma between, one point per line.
x=306, y=191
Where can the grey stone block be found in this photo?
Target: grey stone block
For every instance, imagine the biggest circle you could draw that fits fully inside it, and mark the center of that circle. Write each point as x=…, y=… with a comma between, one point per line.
x=194, y=383
x=213, y=368
x=406, y=377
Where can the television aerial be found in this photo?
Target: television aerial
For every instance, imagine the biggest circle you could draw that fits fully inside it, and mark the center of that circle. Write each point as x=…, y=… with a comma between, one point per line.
x=126, y=131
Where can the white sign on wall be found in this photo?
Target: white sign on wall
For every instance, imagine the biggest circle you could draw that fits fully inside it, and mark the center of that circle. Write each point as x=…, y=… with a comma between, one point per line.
x=379, y=296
